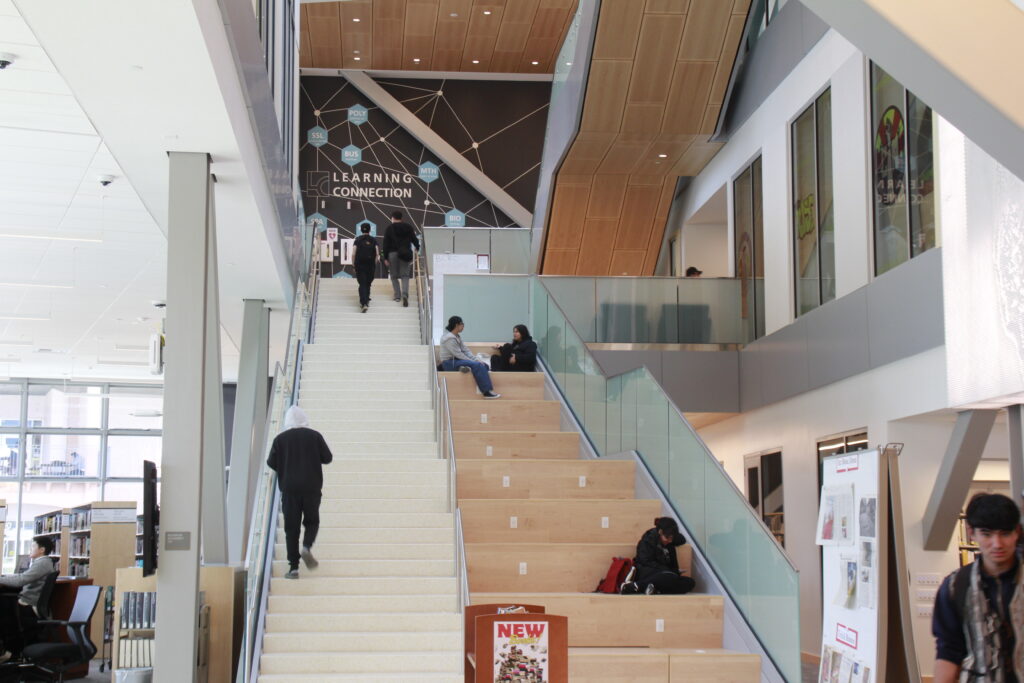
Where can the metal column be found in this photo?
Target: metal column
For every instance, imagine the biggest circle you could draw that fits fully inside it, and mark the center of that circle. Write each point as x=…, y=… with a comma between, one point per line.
x=249, y=423
x=189, y=236
x=1015, y=418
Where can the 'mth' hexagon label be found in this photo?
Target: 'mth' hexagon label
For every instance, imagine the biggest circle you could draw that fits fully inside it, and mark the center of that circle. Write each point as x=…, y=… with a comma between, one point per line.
x=360, y=224
x=317, y=136
x=317, y=221
x=351, y=155
x=455, y=219
x=429, y=172
x=358, y=114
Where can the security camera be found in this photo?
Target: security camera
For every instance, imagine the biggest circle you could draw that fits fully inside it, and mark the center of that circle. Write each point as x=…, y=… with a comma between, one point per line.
x=6, y=59
x=159, y=304
x=105, y=180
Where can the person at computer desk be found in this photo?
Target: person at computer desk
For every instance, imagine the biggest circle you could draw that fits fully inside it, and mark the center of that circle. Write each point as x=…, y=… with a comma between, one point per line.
x=19, y=595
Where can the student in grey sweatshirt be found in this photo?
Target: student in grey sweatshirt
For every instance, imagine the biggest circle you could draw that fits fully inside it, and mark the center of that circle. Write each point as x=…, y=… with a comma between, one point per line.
x=26, y=600
x=455, y=356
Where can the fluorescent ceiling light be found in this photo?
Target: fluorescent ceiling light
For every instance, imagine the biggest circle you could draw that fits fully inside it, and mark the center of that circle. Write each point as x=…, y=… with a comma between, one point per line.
x=22, y=317
x=22, y=236
x=146, y=413
x=854, y=443
x=100, y=361
x=12, y=342
x=39, y=285
x=131, y=347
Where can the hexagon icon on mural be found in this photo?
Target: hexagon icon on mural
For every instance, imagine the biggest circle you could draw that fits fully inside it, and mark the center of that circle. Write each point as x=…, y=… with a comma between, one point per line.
x=351, y=155
x=360, y=224
x=455, y=219
x=429, y=172
x=317, y=136
x=358, y=114
x=317, y=221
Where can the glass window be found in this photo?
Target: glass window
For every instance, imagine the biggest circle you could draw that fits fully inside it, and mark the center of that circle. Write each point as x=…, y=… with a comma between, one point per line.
x=765, y=492
x=136, y=408
x=127, y=490
x=813, y=226
x=10, y=405
x=10, y=451
x=64, y=455
x=9, y=494
x=126, y=453
x=903, y=176
x=65, y=406
x=748, y=226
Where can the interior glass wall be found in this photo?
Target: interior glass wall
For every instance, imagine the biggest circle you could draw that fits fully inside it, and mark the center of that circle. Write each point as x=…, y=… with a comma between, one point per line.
x=901, y=146
x=813, y=224
x=81, y=442
x=748, y=226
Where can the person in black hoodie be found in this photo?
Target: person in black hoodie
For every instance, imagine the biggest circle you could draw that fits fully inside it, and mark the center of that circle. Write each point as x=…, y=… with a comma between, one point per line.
x=399, y=240
x=519, y=356
x=656, y=566
x=298, y=455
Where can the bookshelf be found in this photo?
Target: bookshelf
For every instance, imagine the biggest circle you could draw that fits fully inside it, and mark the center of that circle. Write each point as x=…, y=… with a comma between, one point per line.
x=966, y=549
x=53, y=524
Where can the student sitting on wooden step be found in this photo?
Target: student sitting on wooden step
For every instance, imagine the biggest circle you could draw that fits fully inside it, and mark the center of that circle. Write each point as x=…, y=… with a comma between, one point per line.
x=455, y=355
x=656, y=565
x=518, y=356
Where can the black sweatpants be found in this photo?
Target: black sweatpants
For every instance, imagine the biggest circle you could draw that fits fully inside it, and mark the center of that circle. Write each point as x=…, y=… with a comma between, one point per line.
x=17, y=623
x=666, y=582
x=300, y=509
x=364, y=276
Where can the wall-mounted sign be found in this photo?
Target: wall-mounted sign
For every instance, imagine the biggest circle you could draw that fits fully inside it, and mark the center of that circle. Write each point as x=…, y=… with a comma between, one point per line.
x=358, y=114
x=113, y=515
x=332, y=234
x=455, y=219
x=429, y=172
x=351, y=155
x=317, y=136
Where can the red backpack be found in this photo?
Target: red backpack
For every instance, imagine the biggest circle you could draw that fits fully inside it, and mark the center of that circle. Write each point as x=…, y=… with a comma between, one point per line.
x=617, y=573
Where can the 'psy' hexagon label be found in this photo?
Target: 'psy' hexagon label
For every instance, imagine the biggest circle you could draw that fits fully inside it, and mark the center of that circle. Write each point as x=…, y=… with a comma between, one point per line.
x=317, y=221
x=351, y=155
x=360, y=224
x=429, y=172
x=455, y=219
x=317, y=136
x=358, y=114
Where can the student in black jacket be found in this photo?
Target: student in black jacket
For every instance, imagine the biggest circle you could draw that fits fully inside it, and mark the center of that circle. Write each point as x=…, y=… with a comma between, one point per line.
x=519, y=356
x=399, y=239
x=298, y=455
x=657, y=568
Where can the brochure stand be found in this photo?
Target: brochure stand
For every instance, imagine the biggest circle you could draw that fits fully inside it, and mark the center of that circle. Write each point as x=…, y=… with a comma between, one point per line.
x=470, y=613
x=531, y=647
x=866, y=628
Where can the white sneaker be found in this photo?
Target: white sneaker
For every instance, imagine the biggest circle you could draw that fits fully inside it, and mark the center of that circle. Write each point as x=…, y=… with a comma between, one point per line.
x=308, y=559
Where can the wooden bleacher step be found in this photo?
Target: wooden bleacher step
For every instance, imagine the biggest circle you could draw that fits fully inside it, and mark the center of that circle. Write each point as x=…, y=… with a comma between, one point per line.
x=569, y=479
x=556, y=520
x=659, y=665
x=511, y=385
x=505, y=415
x=496, y=445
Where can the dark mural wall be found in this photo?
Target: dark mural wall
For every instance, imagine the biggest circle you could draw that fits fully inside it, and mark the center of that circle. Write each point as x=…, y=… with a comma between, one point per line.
x=358, y=165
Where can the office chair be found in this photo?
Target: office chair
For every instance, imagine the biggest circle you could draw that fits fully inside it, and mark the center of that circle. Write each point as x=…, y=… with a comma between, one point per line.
x=51, y=660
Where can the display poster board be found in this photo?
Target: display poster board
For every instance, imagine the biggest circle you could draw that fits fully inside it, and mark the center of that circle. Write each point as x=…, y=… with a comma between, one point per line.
x=849, y=532
x=520, y=651
x=443, y=265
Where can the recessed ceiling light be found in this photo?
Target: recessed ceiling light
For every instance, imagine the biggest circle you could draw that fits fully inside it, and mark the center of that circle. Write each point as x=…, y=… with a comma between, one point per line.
x=357, y=58
x=454, y=14
x=535, y=63
x=663, y=156
x=476, y=61
x=487, y=11
x=355, y=52
x=356, y=19
x=416, y=59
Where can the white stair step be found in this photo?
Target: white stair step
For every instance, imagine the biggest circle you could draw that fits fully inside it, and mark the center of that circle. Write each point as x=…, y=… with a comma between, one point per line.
x=416, y=371
x=381, y=437
x=326, y=409
x=391, y=387
x=437, y=479
x=329, y=349
x=332, y=492
x=415, y=505
x=361, y=642
x=329, y=552
x=339, y=398
x=376, y=425
x=385, y=451
x=348, y=418
x=409, y=619
x=331, y=605
x=340, y=467
x=374, y=520
x=346, y=535
x=312, y=585
x=362, y=662
x=411, y=568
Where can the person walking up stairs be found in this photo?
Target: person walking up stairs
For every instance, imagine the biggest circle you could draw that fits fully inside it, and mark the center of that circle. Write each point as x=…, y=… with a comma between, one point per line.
x=382, y=605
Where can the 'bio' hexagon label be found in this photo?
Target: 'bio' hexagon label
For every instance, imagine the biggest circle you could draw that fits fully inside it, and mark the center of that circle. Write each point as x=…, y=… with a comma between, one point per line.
x=351, y=155
x=317, y=136
x=455, y=219
x=429, y=172
x=358, y=114
x=317, y=221
x=360, y=224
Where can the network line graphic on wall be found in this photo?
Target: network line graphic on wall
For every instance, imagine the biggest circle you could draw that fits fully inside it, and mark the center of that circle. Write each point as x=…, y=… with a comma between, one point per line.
x=358, y=164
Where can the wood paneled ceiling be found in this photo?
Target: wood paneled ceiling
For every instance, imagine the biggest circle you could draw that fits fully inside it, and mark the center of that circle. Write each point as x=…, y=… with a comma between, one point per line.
x=508, y=36
x=657, y=81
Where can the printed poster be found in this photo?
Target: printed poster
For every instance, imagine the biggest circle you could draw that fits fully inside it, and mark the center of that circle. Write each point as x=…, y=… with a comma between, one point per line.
x=521, y=651
x=867, y=590
x=835, y=516
x=866, y=520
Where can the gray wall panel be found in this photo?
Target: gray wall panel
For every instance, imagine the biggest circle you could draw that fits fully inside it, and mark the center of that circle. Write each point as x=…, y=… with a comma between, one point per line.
x=837, y=341
x=784, y=362
x=905, y=313
x=618, y=362
x=702, y=381
x=472, y=242
x=751, y=395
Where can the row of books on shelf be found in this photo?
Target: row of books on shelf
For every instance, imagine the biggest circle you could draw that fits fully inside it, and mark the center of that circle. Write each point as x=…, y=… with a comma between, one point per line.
x=56, y=547
x=133, y=653
x=48, y=524
x=78, y=568
x=138, y=609
x=80, y=545
x=79, y=520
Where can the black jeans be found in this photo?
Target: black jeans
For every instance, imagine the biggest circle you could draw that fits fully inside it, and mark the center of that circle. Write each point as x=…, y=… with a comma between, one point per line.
x=17, y=623
x=364, y=276
x=667, y=582
x=300, y=509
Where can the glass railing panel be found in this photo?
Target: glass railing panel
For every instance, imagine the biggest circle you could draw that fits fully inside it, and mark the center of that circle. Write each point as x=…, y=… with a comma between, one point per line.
x=575, y=377
x=553, y=346
x=539, y=308
x=595, y=403
x=576, y=297
x=687, y=461
x=510, y=250
x=709, y=311
x=652, y=424
x=490, y=305
x=636, y=310
x=630, y=382
x=613, y=416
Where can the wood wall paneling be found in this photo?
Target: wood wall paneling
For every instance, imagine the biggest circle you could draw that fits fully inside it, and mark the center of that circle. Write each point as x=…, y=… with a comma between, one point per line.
x=643, y=117
x=729, y=48
x=568, y=213
x=606, y=195
x=627, y=262
x=652, y=73
x=706, y=24
x=607, y=87
x=688, y=98
x=623, y=155
x=324, y=33
x=618, y=28
x=560, y=261
x=668, y=190
x=667, y=6
x=596, y=261
x=638, y=211
x=696, y=158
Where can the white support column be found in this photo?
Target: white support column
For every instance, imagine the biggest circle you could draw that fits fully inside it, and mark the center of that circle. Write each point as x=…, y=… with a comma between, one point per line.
x=1015, y=419
x=249, y=423
x=188, y=241
x=214, y=524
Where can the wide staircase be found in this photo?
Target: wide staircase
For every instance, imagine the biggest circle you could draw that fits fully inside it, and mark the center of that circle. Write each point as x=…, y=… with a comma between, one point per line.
x=382, y=606
x=541, y=525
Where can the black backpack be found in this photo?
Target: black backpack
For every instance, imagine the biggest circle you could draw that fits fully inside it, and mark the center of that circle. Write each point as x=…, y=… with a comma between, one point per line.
x=366, y=249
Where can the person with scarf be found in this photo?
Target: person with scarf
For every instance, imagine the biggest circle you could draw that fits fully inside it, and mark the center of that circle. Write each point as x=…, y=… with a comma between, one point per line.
x=518, y=356
x=978, y=621
x=298, y=455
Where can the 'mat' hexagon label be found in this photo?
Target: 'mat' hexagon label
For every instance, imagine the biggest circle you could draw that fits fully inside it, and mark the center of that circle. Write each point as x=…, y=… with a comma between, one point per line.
x=317, y=221
x=351, y=155
x=429, y=172
x=360, y=224
x=317, y=136
x=455, y=219
x=358, y=114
